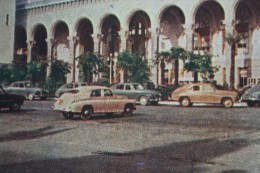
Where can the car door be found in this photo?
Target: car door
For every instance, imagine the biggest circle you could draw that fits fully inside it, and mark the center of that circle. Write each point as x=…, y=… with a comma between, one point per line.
x=96, y=100
x=111, y=102
x=208, y=94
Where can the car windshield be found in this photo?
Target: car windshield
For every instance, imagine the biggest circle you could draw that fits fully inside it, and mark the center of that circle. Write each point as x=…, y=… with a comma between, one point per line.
x=138, y=87
x=28, y=84
x=253, y=89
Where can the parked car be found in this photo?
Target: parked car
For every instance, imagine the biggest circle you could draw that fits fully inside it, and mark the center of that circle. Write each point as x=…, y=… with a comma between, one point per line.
x=165, y=91
x=11, y=101
x=136, y=91
x=89, y=100
x=68, y=87
x=251, y=96
x=26, y=89
x=203, y=93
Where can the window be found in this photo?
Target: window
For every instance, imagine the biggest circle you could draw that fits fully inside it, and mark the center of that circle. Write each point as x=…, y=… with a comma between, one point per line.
x=128, y=87
x=196, y=88
x=107, y=92
x=95, y=93
x=7, y=20
x=120, y=87
x=69, y=86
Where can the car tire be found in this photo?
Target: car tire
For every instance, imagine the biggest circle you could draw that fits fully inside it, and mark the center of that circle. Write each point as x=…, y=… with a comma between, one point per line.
x=143, y=100
x=86, y=113
x=67, y=115
x=185, y=101
x=128, y=110
x=227, y=102
x=30, y=96
x=15, y=107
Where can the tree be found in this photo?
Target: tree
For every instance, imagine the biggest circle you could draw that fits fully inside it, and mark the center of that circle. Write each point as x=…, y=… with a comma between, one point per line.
x=125, y=61
x=59, y=70
x=233, y=40
x=200, y=64
x=88, y=64
x=36, y=71
x=134, y=66
x=174, y=55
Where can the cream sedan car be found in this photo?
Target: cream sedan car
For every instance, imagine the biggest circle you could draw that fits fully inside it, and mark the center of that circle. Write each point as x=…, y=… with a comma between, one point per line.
x=89, y=100
x=203, y=93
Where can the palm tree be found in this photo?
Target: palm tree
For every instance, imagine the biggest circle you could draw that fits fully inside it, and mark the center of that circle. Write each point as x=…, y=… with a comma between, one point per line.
x=233, y=40
x=125, y=62
x=89, y=64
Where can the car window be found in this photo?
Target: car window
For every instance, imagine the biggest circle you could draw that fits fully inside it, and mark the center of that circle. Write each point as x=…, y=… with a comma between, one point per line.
x=28, y=84
x=138, y=87
x=69, y=85
x=108, y=92
x=196, y=88
x=128, y=87
x=83, y=84
x=76, y=85
x=95, y=93
x=16, y=85
x=21, y=85
x=120, y=87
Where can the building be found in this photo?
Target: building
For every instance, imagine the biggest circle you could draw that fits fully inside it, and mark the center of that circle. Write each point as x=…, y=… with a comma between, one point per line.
x=7, y=25
x=64, y=29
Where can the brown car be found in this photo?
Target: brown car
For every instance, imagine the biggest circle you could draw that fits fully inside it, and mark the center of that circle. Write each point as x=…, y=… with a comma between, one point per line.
x=86, y=101
x=203, y=93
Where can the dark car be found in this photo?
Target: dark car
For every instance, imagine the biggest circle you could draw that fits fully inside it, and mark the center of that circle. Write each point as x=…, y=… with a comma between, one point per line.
x=166, y=91
x=69, y=87
x=136, y=91
x=11, y=101
x=27, y=89
x=251, y=96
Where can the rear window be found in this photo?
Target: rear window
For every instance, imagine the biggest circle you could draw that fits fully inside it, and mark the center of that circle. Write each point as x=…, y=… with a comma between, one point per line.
x=120, y=87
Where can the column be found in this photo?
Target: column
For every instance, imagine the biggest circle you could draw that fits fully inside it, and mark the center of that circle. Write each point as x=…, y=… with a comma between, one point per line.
x=72, y=45
x=29, y=47
x=189, y=37
x=50, y=43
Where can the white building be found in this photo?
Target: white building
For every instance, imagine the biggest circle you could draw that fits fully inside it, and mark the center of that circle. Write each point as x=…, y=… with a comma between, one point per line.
x=7, y=25
x=64, y=29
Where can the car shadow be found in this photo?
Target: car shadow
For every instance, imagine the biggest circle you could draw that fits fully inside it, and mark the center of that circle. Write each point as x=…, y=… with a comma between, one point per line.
x=180, y=157
x=31, y=134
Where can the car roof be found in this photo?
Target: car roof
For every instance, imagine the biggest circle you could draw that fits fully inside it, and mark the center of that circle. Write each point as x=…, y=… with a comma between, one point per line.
x=91, y=87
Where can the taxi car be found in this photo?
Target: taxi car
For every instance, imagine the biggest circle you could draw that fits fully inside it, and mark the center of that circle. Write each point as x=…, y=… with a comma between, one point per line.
x=203, y=93
x=11, y=101
x=89, y=100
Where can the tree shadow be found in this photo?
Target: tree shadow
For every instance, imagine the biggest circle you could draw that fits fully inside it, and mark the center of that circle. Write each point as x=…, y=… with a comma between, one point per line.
x=32, y=134
x=182, y=157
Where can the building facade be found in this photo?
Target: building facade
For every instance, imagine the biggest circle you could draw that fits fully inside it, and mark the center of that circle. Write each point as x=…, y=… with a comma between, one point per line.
x=64, y=29
x=7, y=25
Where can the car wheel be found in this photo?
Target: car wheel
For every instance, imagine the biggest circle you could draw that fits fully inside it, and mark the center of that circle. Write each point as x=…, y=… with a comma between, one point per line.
x=143, y=100
x=86, y=113
x=227, y=103
x=128, y=110
x=67, y=115
x=30, y=96
x=185, y=101
x=15, y=107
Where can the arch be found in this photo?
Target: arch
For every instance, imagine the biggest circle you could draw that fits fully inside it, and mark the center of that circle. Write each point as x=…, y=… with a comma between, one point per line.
x=175, y=11
x=54, y=27
x=210, y=4
x=83, y=20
